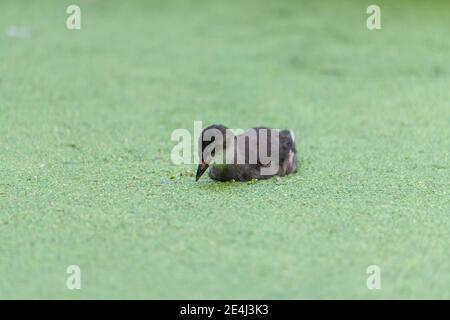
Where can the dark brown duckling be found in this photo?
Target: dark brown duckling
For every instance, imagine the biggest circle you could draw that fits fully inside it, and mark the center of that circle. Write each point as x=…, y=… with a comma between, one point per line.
x=250, y=155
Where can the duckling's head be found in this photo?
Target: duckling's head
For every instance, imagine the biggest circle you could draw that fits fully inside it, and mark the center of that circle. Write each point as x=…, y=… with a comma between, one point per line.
x=212, y=144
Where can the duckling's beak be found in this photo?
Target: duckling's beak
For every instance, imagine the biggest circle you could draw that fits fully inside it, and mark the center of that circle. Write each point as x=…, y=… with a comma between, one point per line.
x=201, y=170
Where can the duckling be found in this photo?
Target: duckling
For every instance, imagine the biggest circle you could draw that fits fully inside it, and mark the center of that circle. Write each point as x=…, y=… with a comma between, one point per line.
x=250, y=154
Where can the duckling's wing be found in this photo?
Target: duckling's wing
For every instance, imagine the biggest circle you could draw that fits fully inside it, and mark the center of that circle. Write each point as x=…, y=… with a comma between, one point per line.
x=250, y=148
x=288, y=153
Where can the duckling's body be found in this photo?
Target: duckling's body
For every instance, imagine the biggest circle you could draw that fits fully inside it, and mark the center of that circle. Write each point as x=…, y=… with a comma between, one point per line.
x=286, y=162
